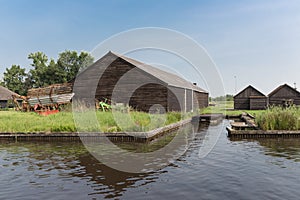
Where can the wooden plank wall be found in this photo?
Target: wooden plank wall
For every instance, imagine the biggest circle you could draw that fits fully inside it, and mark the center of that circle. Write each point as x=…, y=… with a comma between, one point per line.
x=148, y=95
x=202, y=99
x=284, y=94
x=138, y=89
x=110, y=77
x=85, y=84
x=247, y=93
x=249, y=99
x=176, y=99
x=258, y=103
x=241, y=103
x=189, y=100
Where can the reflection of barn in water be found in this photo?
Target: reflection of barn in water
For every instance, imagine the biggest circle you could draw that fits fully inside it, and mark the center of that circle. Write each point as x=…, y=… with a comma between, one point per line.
x=108, y=181
x=70, y=160
x=124, y=80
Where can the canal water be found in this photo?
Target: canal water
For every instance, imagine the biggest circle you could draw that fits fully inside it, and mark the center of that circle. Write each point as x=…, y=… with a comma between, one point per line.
x=234, y=169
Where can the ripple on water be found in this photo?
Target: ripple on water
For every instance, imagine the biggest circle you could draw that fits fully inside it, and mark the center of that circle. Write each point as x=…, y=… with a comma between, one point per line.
x=234, y=169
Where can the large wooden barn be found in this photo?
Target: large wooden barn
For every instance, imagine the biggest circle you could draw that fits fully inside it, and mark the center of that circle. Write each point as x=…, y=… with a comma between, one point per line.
x=141, y=86
x=284, y=95
x=250, y=99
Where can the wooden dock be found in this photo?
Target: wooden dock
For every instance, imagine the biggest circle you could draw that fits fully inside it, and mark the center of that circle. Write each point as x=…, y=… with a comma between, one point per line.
x=247, y=128
x=261, y=133
x=211, y=118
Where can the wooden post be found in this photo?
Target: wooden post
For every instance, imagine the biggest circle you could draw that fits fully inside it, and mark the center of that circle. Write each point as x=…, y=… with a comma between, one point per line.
x=185, y=100
x=192, y=100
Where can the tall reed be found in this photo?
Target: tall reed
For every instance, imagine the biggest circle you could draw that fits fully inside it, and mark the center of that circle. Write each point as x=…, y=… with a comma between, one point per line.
x=278, y=118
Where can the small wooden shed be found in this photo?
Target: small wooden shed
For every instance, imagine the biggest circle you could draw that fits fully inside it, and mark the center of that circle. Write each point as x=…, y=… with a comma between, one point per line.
x=250, y=99
x=128, y=81
x=5, y=96
x=284, y=95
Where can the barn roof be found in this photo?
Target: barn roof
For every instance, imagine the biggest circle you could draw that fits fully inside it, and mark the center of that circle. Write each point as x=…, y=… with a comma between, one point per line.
x=282, y=87
x=167, y=77
x=5, y=94
x=250, y=87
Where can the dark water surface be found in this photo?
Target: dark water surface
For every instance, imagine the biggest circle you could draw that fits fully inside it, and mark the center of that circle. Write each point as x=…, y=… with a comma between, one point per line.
x=235, y=169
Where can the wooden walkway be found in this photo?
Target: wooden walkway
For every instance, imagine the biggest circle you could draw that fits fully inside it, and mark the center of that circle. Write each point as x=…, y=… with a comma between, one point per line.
x=247, y=128
x=208, y=117
x=261, y=133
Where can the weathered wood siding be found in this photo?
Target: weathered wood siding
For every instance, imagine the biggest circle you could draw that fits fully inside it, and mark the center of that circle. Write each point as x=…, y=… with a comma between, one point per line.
x=110, y=78
x=186, y=99
x=250, y=99
x=241, y=103
x=202, y=99
x=189, y=100
x=122, y=82
x=176, y=99
x=285, y=93
x=258, y=103
x=85, y=84
x=148, y=95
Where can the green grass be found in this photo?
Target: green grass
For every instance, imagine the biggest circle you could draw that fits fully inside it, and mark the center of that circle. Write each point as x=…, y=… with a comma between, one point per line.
x=12, y=121
x=226, y=108
x=278, y=118
x=274, y=118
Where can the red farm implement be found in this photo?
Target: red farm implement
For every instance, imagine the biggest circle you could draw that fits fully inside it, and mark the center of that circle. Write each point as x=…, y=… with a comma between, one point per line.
x=47, y=100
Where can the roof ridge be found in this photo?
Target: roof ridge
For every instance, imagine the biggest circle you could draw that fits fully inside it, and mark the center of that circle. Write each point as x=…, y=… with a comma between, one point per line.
x=146, y=67
x=250, y=86
x=281, y=86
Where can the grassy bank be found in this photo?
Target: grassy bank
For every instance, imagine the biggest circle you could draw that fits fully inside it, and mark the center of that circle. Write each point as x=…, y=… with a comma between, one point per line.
x=226, y=108
x=274, y=118
x=12, y=121
x=277, y=118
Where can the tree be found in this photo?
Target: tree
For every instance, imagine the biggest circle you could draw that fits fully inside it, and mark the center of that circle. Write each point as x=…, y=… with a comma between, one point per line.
x=227, y=97
x=45, y=72
x=71, y=63
x=14, y=79
x=38, y=73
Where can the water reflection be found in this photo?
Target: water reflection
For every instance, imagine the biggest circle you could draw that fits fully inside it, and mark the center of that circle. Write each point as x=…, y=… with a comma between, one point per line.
x=284, y=147
x=142, y=157
x=37, y=168
x=68, y=160
x=235, y=169
x=108, y=181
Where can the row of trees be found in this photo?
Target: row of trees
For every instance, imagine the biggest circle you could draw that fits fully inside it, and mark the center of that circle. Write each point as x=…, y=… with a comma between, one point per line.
x=45, y=72
x=227, y=97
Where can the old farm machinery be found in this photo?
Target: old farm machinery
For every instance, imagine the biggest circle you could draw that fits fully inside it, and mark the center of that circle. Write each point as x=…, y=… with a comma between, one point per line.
x=45, y=100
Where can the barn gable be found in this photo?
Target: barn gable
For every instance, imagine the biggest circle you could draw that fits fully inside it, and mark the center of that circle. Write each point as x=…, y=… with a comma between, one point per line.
x=249, y=91
x=284, y=91
x=284, y=94
x=250, y=99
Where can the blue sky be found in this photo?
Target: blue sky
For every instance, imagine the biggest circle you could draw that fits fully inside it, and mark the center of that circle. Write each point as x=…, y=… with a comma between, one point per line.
x=257, y=41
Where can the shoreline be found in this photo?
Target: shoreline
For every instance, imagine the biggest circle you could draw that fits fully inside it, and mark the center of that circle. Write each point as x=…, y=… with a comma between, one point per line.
x=262, y=133
x=123, y=136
